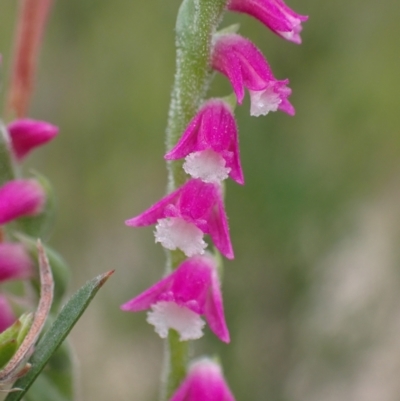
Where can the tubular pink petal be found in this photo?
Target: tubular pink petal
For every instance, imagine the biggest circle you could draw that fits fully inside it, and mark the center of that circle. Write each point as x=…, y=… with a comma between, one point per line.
x=187, y=141
x=274, y=14
x=196, y=203
x=27, y=134
x=266, y=92
x=191, y=282
x=155, y=212
x=15, y=263
x=204, y=382
x=219, y=229
x=197, y=199
x=194, y=290
x=232, y=50
x=144, y=300
x=225, y=62
x=212, y=129
x=19, y=198
x=235, y=164
x=214, y=310
x=287, y=107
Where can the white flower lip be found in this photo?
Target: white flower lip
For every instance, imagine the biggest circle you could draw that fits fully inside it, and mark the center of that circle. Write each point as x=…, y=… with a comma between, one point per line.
x=207, y=165
x=262, y=102
x=167, y=315
x=174, y=232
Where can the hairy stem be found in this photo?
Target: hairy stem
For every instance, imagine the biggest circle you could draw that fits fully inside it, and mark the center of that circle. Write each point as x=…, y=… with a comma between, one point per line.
x=197, y=21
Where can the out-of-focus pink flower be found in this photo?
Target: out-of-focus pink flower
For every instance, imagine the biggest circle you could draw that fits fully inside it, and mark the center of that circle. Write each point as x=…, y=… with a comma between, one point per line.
x=7, y=317
x=275, y=14
x=210, y=144
x=178, y=300
x=245, y=66
x=183, y=216
x=27, y=134
x=15, y=263
x=20, y=198
x=204, y=382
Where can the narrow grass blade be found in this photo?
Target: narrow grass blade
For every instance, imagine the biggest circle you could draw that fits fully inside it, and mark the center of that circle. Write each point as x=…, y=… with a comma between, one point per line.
x=53, y=338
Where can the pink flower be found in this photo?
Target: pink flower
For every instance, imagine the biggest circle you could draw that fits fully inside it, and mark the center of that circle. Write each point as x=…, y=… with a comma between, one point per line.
x=245, y=66
x=7, y=317
x=15, y=263
x=178, y=300
x=20, y=198
x=204, y=382
x=183, y=216
x=210, y=144
x=275, y=14
x=27, y=134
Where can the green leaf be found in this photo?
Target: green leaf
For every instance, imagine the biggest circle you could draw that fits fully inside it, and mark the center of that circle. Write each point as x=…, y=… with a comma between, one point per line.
x=26, y=320
x=45, y=390
x=11, y=338
x=59, y=374
x=7, y=350
x=53, y=338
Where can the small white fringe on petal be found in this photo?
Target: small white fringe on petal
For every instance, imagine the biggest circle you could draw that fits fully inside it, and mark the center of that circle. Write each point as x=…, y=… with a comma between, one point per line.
x=174, y=232
x=207, y=165
x=167, y=315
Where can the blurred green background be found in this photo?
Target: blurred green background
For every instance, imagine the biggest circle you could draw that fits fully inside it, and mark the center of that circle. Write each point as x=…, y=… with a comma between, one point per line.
x=312, y=298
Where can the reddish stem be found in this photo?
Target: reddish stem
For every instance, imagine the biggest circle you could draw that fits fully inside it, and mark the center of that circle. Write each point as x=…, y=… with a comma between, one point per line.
x=31, y=23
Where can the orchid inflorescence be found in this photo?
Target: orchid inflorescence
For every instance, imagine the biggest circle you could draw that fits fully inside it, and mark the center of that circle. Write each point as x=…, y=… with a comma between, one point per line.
x=19, y=198
x=209, y=146
x=27, y=211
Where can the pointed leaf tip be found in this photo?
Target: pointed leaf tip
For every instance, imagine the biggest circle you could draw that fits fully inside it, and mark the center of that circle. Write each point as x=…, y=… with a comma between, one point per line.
x=104, y=277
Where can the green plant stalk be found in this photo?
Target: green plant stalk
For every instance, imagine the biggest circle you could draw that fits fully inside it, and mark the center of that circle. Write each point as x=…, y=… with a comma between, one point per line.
x=7, y=170
x=176, y=358
x=197, y=21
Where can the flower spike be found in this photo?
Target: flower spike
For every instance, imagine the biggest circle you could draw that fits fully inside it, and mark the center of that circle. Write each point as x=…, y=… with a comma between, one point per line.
x=245, y=66
x=204, y=382
x=178, y=300
x=275, y=14
x=210, y=144
x=183, y=216
x=19, y=198
x=27, y=134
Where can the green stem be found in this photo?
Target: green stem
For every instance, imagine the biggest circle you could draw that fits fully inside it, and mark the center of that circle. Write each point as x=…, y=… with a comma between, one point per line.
x=197, y=21
x=7, y=171
x=176, y=359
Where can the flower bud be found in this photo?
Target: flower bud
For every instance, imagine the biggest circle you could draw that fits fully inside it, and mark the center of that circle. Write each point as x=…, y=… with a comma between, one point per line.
x=15, y=263
x=204, y=382
x=27, y=134
x=20, y=198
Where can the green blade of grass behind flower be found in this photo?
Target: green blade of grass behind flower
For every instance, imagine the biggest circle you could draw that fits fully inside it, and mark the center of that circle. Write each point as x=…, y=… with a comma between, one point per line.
x=58, y=331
